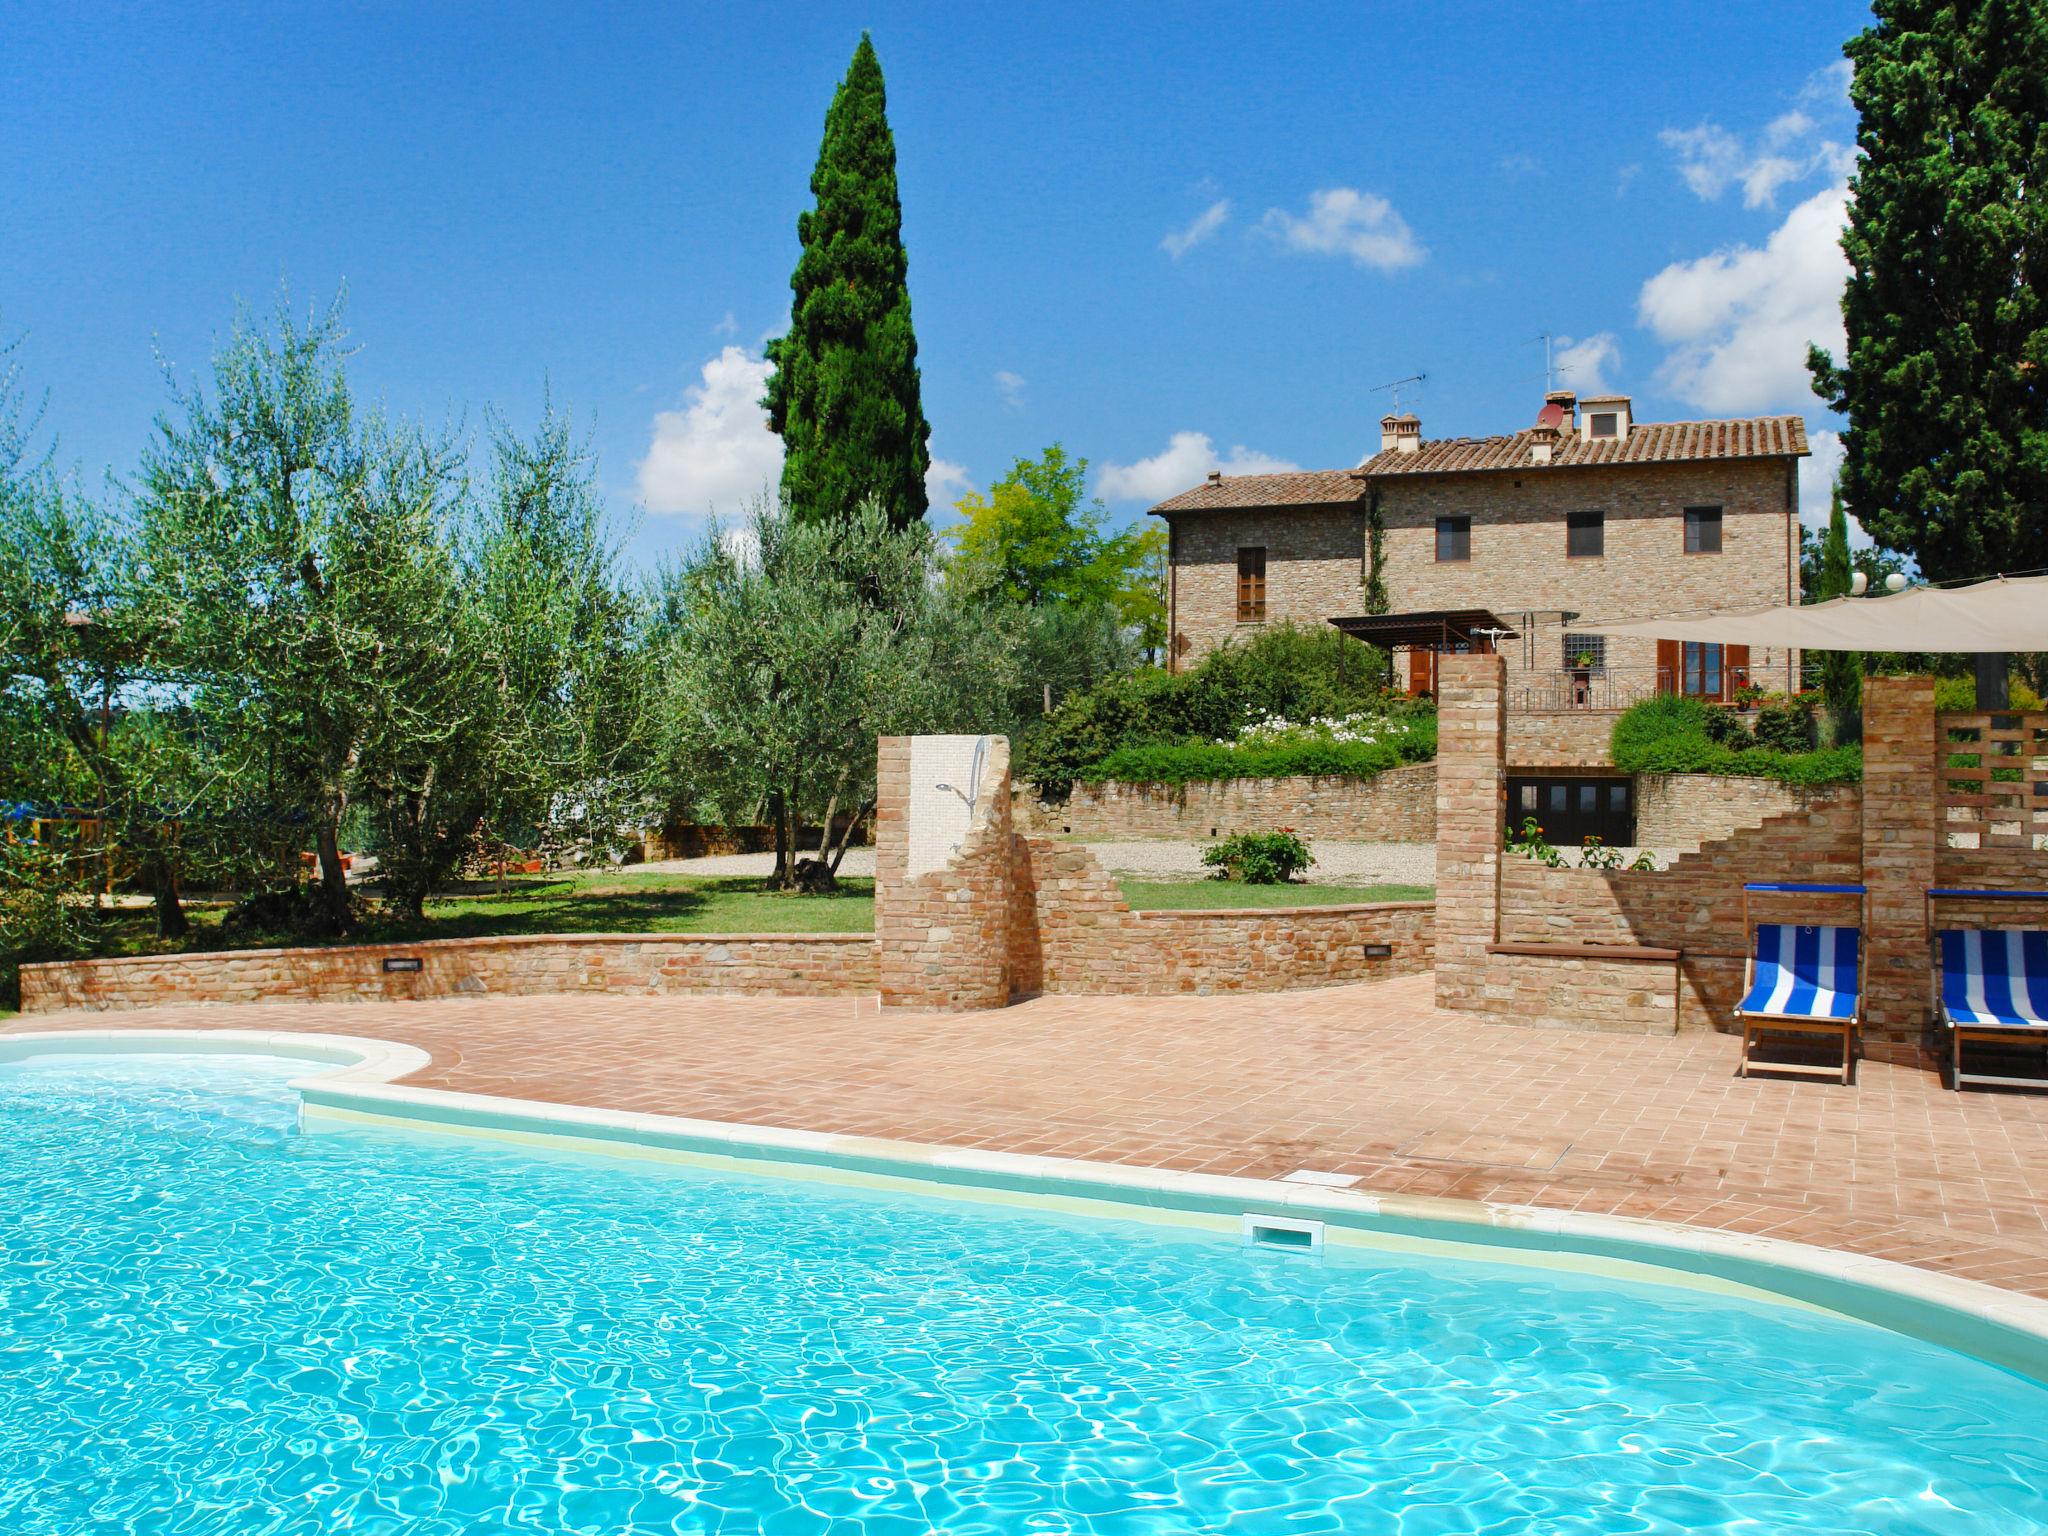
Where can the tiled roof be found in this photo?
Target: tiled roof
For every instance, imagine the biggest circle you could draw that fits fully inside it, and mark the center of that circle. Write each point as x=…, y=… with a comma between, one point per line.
x=1306, y=489
x=1648, y=442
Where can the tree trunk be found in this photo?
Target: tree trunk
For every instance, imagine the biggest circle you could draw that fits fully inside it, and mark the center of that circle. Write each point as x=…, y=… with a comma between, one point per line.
x=778, y=880
x=333, y=879
x=171, y=922
x=846, y=837
x=1992, y=667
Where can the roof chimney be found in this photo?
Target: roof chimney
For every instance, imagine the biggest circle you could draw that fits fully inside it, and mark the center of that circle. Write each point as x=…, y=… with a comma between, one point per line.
x=1400, y=434
x=1542, y=440
x=1215, y=477
x=1567, y=403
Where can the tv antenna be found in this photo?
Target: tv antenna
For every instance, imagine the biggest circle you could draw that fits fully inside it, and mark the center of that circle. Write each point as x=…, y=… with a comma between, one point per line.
x=1551, y=369
x=1415, y=379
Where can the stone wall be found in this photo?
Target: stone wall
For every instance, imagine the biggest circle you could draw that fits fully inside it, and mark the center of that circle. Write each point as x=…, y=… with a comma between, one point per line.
x=1563, y=988
x=1073, y=933
x=1398, y=806
x=1695, y=906
x=942, y=908
x=1576, y=738
x=1688, y=810
x=767, y=964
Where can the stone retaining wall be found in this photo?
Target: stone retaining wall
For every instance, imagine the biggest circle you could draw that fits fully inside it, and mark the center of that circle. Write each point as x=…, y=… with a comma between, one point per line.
x=766, y=964
x=1569, y=738
x=1694, y=906
x=1072, y=932
x=1688, y=810
x=1397, y=806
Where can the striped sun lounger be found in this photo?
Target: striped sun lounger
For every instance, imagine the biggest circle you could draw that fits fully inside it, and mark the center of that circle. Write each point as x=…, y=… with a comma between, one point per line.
x=1802, y=979
x=1994, y=986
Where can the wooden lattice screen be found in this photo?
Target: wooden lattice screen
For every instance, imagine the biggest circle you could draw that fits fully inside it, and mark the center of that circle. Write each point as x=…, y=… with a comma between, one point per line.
x=1994, y=780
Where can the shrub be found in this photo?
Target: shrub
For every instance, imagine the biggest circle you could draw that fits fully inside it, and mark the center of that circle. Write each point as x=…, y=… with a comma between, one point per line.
x=1182, y=763
x=1259, y=858
x=1786, y=726
x=38, y=918
x=1670, y=734
x=1284, y=673
x=1958, y=695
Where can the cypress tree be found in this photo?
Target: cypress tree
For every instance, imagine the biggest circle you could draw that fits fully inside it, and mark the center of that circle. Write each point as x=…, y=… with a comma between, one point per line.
x=1841, y=672
x=1945, y=382
x=844, y=393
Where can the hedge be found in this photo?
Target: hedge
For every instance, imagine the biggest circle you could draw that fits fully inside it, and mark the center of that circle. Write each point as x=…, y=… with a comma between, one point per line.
x=1194, y=761
x=1679, y=735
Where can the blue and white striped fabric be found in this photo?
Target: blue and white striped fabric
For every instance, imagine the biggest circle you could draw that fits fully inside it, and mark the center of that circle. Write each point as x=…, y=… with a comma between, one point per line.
x=1804, y=972
x=1995, y=977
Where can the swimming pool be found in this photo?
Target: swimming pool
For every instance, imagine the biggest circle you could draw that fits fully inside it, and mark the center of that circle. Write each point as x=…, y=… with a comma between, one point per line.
x=214, y=1323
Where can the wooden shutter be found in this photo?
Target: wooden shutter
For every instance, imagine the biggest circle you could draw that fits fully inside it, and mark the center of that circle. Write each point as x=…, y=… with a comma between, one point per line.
x=1421, y=671
x=1734, y=669
x=1251, y=584
x=1669, y=658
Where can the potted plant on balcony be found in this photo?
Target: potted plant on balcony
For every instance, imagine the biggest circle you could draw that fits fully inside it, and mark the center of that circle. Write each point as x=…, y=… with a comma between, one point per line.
x=1582, y=679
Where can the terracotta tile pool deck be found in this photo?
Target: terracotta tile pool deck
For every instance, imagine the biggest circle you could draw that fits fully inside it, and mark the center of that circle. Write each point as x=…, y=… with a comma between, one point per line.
x=1368, y=1080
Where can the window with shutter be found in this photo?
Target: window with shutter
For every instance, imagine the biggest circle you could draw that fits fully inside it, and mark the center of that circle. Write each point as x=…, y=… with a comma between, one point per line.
x=1251, y=585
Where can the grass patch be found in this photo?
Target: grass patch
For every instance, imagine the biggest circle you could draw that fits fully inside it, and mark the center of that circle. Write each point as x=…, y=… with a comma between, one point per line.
x=1206, y=895
x=621, y=901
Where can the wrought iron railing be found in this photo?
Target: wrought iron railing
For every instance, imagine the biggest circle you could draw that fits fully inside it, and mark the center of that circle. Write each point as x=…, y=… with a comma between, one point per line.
x=1615, y=688
x=1586, y=688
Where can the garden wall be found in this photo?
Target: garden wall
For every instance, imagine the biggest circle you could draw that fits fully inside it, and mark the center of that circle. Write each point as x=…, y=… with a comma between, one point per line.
x=1687, y=810
x=767, y=964
x=1695, y=906
x=1397, y=806
x=1574, y=738
x=1072, y=932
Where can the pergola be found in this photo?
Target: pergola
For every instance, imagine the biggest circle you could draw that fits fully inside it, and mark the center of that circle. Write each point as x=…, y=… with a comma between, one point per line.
x=1426, y=634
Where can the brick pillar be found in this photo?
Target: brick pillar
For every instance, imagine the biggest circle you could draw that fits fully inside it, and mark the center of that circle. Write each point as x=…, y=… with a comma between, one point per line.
x=942, y=871
x=1901, y=831
x=1471, y=822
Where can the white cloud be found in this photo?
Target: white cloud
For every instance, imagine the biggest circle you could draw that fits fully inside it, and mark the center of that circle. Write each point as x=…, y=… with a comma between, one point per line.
x=1817, y=477
x=945, y=483
x=1343, y=221
x=1203, y=227
x=1186, y=460
x=1585, y=363
x=1817, y=483
x=1011, y=387
x=1740, y=320
x=1791, y=147
x=716, y=453
x=729, y=326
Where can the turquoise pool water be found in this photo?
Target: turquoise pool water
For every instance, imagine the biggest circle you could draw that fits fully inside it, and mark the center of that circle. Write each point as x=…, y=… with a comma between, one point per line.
x=209, y=1323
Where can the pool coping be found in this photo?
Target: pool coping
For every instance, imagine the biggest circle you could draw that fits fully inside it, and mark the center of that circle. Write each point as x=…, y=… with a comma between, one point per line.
x=2004, y=1328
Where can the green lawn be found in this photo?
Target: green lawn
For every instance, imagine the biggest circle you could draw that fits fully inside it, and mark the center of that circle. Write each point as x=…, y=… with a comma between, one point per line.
x=1198, y=895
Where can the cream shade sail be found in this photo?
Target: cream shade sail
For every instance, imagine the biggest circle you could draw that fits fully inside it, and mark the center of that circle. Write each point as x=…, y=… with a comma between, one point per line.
x=2006, y=613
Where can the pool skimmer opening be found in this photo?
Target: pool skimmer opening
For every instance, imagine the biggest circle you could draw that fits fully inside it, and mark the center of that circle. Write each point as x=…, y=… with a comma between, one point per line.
x=1287, y=1234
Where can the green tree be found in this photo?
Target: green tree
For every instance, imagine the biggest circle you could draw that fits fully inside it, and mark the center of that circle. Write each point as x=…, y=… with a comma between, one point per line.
x=844, y=394
x=1946, y=453
x=788, y=651
x=1841, y=672
x=296, y=553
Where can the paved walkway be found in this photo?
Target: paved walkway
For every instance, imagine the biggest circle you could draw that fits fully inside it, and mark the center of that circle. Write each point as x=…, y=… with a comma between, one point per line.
x=1368, y=1080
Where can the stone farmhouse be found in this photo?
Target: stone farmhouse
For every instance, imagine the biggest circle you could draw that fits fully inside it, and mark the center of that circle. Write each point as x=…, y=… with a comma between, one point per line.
x=1505, y=544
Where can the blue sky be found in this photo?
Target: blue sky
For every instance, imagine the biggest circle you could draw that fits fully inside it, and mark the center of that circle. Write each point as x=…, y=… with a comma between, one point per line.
x=1173, y=239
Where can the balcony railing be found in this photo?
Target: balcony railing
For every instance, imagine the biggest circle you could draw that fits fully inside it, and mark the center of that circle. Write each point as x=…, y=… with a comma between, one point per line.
x=1614, y=688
